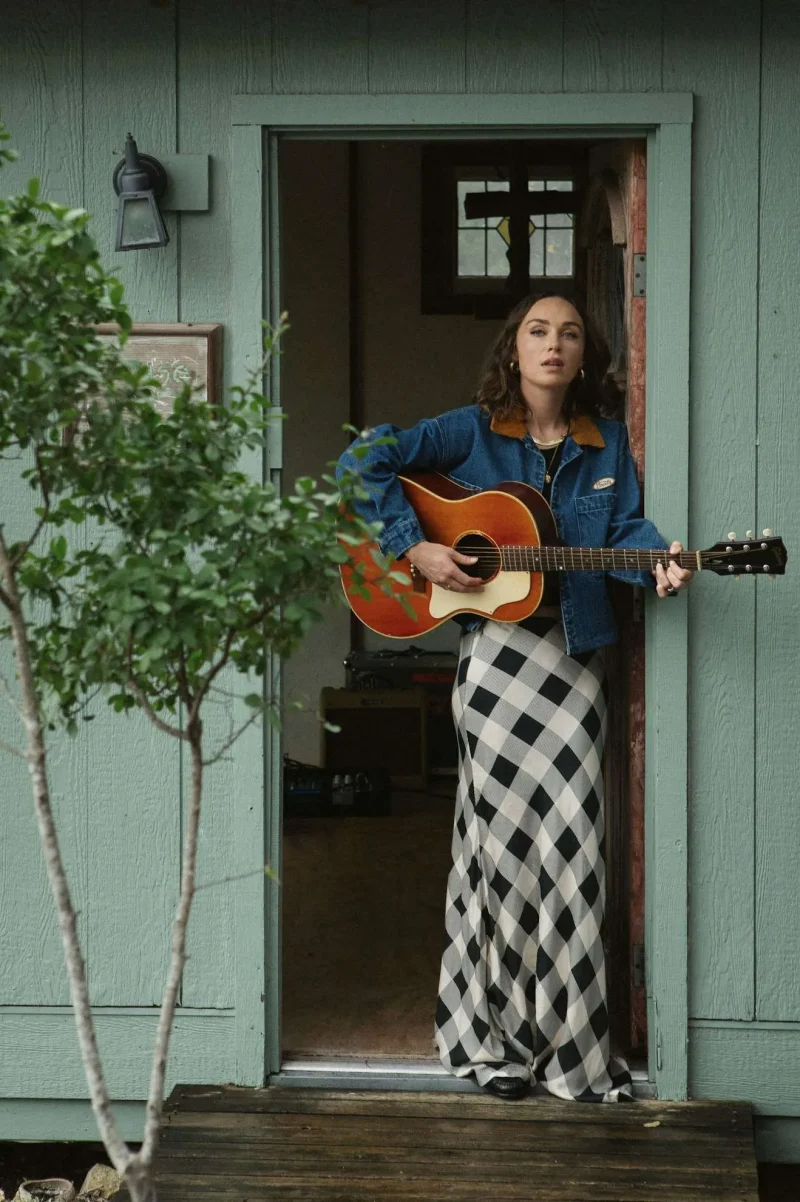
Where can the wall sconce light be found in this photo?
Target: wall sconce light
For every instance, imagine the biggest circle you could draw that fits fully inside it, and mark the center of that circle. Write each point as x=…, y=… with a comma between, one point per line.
x=140, y=182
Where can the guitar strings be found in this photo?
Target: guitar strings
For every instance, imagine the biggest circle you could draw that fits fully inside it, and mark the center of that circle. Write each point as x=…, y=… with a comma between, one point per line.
x=683, y=559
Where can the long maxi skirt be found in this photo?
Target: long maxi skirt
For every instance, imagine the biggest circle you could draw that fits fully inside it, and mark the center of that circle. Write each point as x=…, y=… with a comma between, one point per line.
x=522, y=989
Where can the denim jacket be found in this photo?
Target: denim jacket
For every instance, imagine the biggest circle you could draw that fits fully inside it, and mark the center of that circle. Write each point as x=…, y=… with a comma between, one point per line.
x=594, y=496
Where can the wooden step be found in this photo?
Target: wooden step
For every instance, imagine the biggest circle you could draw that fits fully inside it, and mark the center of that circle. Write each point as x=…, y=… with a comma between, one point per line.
x=244, y=1145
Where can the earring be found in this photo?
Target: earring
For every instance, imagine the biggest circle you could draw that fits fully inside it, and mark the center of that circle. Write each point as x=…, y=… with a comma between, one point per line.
x=582, y=374
x=513, y=366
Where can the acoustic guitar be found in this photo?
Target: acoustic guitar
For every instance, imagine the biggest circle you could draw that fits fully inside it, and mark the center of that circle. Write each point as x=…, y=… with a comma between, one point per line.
x=512, y=531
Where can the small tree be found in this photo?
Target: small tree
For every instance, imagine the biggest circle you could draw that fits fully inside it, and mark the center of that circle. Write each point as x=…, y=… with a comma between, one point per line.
x=193, y=568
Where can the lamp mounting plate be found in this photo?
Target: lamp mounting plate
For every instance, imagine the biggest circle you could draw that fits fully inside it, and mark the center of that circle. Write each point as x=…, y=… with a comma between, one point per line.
x=151, y=167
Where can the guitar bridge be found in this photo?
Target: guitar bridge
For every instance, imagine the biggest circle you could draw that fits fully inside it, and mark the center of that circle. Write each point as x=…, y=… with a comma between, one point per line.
x=417, y=579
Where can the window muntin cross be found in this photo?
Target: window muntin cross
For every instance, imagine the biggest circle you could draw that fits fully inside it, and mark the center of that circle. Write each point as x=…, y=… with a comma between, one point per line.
x=485, y=224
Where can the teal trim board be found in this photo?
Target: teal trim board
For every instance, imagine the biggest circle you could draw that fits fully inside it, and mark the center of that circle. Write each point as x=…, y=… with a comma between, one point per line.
x=502, y=111
x=754, y=1062
x=259, y=125
x=45, y=1043
x=36, y=1120
x=273, y=741
x=666, y=641
x=250, y=853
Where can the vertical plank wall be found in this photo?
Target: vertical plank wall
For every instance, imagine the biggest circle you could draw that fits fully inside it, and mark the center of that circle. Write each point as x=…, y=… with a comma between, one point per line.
x=777, y=697
x=75, y=76
x=214, y=62
x=40, y=102
x=722, y=483
x=129, y=825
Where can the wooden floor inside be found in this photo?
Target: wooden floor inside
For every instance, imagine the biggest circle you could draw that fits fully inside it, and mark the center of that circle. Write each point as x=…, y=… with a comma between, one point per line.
x=363, y=913
x=244, y=1145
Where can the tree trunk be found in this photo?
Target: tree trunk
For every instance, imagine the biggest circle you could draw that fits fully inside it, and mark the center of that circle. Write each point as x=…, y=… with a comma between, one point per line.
x=76, y=970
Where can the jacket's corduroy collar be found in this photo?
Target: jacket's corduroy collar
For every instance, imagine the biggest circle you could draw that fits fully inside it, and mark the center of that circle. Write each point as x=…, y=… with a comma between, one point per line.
x=582, y=429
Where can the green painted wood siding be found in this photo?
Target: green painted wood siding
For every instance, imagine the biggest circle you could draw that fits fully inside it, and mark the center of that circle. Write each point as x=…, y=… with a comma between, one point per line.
x=75, y=75
x=723, y=374
x=776, y=696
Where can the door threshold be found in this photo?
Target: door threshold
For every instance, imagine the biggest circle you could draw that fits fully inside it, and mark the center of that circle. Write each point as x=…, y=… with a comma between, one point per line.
x=413, y=1075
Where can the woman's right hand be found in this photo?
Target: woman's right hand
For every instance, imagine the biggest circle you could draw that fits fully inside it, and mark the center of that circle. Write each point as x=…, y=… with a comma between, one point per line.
x=439, y=564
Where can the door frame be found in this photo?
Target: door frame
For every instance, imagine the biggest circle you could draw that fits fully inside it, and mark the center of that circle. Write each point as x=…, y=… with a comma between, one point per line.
x=665, y=118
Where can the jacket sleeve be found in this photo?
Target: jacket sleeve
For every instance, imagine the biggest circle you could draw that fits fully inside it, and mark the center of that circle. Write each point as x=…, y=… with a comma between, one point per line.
x=423, y=446
x=628, y=528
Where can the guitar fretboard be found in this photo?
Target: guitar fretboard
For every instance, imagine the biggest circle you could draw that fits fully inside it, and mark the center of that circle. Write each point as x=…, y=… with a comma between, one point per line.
x=592, y=559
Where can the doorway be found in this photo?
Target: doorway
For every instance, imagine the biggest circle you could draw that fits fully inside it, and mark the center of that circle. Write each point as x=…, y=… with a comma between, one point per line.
x=377, y=335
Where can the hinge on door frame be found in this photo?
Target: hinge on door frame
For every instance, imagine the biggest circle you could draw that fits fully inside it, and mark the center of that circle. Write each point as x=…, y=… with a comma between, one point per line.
x=638, y=975
x=274, y=436
x=640, y=275
x=637, y=606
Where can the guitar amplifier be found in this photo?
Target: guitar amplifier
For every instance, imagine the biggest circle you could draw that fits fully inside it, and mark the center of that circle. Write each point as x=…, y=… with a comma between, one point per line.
x=412, y=668
x=381, y=729
x=432, y=671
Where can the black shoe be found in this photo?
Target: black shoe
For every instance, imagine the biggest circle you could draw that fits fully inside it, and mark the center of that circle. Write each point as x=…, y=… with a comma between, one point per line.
x=509, y=1087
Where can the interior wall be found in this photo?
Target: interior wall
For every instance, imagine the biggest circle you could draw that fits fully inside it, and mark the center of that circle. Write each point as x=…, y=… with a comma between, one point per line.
x=412, y=365
x=315, y=387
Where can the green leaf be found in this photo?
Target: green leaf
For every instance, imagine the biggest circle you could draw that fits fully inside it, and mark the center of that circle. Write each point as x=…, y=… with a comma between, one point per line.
x=407, y=606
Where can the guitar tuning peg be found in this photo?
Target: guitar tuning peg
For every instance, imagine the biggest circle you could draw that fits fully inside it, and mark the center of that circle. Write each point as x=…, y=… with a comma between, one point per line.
x=732, y=535
x=767, y=532
x=737, y=577
x=748, y=534
x=772, y=575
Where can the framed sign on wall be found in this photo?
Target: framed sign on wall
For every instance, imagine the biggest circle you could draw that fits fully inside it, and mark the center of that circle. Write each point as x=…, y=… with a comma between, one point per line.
x=176, y=353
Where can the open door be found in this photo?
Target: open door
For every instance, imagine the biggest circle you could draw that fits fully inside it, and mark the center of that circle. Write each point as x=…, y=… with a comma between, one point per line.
x=613, y=229
x=362, y=893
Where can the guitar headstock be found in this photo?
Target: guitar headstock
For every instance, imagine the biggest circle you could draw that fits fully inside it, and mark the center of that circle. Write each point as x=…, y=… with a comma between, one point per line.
x=753, y=555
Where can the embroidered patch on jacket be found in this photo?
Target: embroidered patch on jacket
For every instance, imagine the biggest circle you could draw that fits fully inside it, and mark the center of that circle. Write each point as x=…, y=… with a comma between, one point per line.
x=606, y=482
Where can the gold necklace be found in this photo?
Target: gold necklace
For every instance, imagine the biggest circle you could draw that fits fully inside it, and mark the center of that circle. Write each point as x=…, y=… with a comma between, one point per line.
x=545, y=446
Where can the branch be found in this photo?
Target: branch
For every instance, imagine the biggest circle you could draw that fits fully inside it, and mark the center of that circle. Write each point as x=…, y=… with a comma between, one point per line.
x=26, y=546
x=10, y=698
x=267, y=870
x=24, y=295
x=230, y=742
x=175, y=731
x=5, y=597
x=67, y=920
x=12, y=750
x=155, y=1101
x=184, y=683
x=225, y=692
x=218, y=666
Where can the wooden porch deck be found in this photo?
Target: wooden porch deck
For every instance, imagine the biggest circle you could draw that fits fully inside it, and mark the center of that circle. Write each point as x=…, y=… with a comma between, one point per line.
x=245, y=1145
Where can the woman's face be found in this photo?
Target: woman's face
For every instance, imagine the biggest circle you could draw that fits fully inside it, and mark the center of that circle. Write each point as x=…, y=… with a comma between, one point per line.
x=550, y=343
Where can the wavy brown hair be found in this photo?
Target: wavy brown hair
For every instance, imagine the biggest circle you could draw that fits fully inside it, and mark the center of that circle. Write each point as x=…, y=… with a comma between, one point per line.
x=596, y=394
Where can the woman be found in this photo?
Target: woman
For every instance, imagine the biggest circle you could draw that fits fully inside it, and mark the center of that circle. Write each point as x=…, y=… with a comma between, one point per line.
x=522, y=989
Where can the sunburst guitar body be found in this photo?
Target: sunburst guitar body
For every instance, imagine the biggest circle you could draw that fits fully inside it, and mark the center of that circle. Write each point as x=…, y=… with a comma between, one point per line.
x=511, y=530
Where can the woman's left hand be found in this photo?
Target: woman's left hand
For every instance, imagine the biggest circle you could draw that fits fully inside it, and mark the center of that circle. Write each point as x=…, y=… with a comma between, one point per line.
x=671, y=579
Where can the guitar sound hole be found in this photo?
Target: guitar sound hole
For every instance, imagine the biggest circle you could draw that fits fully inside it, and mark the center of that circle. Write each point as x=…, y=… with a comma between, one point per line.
x=488, y=564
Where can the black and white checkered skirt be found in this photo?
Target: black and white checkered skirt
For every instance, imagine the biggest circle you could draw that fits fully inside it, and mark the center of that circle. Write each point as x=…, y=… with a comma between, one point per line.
x=522, y=990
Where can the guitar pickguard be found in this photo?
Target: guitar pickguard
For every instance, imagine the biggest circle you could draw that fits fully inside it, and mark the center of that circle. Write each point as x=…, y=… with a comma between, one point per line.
x=506, y=587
